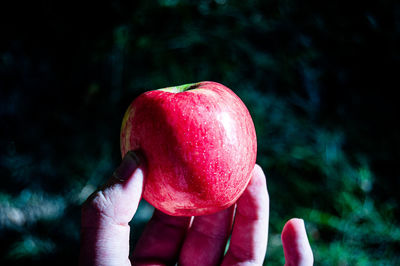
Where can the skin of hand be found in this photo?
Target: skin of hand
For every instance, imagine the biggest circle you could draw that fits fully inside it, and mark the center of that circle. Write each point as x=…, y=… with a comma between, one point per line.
x=168, y=240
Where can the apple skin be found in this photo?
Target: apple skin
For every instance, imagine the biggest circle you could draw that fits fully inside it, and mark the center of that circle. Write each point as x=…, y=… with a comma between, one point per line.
x=200, y=146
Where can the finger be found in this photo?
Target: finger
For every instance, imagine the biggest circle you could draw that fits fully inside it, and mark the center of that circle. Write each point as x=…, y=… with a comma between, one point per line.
x=296, y=247
x=106, y=214
x=161, y=240
x=250, y=230
x=208, y=233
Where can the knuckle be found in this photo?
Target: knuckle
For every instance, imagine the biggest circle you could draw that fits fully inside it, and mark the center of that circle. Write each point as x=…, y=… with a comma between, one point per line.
x=97, y=203
x=242, y=256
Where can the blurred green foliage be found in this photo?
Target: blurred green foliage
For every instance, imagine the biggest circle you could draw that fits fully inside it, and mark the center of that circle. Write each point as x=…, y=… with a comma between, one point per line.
x=319, y=79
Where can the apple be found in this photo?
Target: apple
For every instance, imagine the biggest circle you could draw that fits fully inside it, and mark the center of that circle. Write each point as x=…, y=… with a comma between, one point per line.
x=200, y=146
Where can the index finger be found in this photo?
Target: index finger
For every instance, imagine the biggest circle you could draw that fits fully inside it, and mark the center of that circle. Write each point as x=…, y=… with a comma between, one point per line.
x=161, y=240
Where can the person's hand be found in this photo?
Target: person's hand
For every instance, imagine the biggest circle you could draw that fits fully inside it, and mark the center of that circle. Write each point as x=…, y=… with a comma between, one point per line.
x=168, y=240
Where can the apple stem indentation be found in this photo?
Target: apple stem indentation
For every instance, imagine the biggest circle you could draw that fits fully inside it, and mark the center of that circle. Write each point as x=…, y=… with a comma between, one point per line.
x=181, y=88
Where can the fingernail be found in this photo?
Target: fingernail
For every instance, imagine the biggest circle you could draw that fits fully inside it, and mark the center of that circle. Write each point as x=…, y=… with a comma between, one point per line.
x=129, y=164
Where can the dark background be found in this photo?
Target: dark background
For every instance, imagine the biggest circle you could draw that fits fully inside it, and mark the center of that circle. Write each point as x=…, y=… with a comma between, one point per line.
x=320, y=79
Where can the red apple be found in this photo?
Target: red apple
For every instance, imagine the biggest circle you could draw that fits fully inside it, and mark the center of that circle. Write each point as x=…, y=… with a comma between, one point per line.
x=200, y=146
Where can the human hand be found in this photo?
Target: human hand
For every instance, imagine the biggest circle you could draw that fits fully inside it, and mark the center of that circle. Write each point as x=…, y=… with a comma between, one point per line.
x=167, y=239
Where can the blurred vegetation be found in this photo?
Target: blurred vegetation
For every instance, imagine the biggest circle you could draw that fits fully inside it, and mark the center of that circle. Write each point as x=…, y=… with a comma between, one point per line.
x=319, y=79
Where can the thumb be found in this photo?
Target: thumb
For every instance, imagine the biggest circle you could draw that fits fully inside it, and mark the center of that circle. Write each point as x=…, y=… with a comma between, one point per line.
x=106, y=214
x=296, y=247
